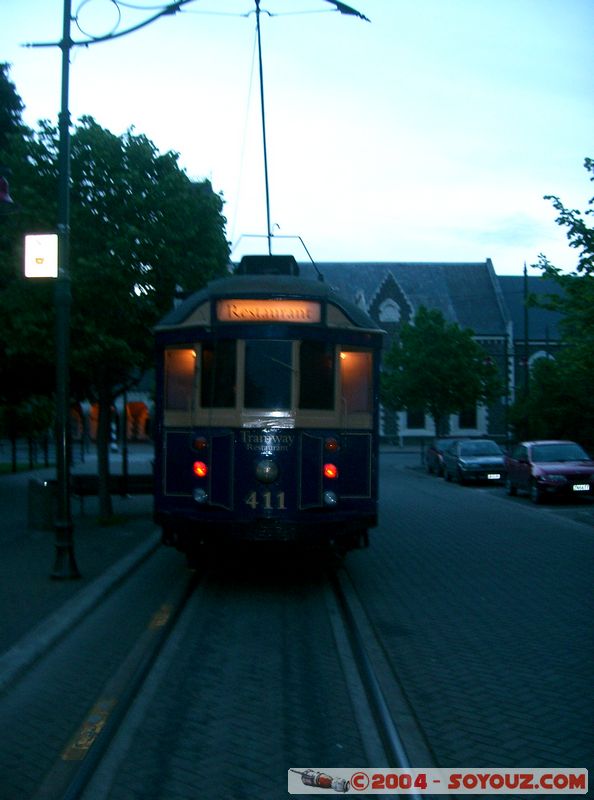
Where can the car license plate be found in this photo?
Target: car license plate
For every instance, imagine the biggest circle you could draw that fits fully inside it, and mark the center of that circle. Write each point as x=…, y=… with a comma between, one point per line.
x=493, y=476
x=581, y=487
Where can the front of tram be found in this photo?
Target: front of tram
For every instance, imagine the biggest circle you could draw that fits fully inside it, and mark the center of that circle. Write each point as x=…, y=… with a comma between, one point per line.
x=267, y=413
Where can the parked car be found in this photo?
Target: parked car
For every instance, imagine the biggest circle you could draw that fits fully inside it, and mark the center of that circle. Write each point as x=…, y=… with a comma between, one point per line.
x=547, y=468
x=434, y=453
x=474, y=459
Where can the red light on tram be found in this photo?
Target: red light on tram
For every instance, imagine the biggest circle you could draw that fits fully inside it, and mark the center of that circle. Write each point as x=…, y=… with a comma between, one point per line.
x=331, y=444
x=330, y=471
x=200, y=469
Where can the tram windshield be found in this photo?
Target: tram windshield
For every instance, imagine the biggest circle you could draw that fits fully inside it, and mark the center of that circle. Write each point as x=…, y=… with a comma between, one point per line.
x=268, y=374
x=316, y=368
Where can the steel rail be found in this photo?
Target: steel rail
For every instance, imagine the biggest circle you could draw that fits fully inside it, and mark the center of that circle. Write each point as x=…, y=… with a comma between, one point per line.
x=386, y=728
x=392, y=740
x=82, y=755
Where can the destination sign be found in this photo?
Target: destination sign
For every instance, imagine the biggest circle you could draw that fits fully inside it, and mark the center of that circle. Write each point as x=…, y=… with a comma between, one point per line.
x=305, y=312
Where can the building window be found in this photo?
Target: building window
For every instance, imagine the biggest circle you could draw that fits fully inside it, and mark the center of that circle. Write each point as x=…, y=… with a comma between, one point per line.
x=415, y=418
x=467, y=418
x=389, y=311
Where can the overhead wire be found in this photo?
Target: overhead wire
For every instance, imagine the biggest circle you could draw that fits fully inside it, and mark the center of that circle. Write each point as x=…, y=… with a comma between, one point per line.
x=244, y=138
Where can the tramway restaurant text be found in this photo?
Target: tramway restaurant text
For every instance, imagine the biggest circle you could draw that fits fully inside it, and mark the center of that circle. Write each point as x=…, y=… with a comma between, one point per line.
x=302, y=311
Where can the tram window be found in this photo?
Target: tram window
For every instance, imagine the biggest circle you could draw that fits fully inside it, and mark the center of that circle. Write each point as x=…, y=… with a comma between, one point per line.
x=268, y=373
x=179, y=377
x=316, y=368
x=355, y=374
x=217, y=389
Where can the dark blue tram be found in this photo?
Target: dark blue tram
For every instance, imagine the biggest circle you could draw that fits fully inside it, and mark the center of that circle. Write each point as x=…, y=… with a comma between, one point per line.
x=267, y=412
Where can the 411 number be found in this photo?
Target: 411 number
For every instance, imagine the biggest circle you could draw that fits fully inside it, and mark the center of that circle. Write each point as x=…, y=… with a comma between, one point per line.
x=269, y=501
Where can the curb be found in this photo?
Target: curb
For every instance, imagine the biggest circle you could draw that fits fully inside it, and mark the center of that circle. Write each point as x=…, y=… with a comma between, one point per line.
x=33, y=645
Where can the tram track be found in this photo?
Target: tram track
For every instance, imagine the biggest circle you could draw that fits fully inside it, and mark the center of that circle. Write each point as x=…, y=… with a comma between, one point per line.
x=82, y=754
x=391, y=732
x=385, y=731
x=98, y=749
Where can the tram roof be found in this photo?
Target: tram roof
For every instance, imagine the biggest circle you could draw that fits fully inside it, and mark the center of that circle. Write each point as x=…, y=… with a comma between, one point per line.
x=262, y=286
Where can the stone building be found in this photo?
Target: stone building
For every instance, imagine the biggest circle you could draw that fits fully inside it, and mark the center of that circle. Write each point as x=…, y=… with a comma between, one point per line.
x=469, y=294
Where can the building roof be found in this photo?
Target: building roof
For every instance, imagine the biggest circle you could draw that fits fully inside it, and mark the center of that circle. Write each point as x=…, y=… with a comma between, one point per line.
x=466, y=293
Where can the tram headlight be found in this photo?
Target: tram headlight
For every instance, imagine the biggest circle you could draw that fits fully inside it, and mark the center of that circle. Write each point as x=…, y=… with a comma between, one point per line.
x=267, y=470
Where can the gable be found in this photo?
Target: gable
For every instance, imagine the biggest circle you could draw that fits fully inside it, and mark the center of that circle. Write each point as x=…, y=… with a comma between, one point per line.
x=465, y=293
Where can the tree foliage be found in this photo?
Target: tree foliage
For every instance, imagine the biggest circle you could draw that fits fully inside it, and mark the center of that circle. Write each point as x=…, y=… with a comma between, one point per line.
x=26, y=312
x=561, y=395
x=438, y=367
x=148, y=229
x=141, y=230
x=11, y=108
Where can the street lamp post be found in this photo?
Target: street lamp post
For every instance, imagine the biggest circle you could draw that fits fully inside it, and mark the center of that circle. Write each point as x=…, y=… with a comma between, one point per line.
x=526, y=361
x=65, y=563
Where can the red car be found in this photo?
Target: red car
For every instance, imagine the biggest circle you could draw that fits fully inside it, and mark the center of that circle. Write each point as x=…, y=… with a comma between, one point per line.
x=547, y=468
x=434, y=453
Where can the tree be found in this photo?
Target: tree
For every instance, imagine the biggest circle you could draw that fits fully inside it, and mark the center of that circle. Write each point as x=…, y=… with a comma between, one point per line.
x=581, y=237
x=438, y=367
x=140, y=230
x=26, y=314
x=561, y=396
x=538, y=413
x=11, y=108
x=576, y=299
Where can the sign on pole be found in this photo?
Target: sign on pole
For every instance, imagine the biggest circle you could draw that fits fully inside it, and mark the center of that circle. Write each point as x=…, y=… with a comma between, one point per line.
x=41, y=255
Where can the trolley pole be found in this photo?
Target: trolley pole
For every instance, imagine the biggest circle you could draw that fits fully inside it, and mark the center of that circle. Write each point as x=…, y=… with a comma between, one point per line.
x=65, y=567
x=263, y=115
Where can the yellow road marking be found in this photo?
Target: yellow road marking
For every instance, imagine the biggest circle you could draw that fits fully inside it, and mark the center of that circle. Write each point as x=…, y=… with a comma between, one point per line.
x=88, y=732
x=161, y=617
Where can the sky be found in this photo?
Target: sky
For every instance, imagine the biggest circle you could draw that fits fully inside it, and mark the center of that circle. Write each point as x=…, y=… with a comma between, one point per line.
x=431, y=133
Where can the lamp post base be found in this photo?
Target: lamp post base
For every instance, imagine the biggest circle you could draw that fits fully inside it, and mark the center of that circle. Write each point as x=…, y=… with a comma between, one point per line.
x=65, y=567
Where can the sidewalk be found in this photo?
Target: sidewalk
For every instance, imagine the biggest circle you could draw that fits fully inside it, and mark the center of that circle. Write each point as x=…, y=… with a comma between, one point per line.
x=33, y=607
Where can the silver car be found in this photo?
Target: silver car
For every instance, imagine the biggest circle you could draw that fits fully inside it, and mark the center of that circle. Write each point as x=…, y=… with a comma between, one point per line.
x=474, y=460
